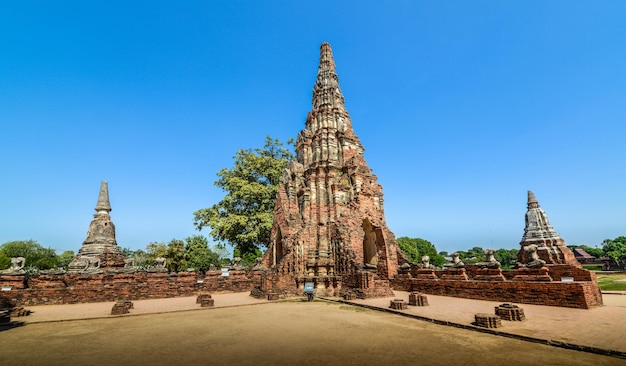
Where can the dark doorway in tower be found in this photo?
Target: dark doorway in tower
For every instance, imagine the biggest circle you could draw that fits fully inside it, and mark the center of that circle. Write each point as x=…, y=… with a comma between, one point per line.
x=371, y=242
x=278, y=247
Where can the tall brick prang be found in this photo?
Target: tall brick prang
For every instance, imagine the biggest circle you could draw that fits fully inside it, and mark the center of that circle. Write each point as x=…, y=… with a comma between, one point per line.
x=329, y=223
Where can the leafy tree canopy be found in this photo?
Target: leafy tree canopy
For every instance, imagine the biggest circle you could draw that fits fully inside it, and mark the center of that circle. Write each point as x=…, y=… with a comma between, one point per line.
x=65, y=258
x=247, y=257
x=155, y=250
x=198, y=254
x=35, y=255
x=506, y=257
x=244, y=217
x=5, y=261
x=416, y=248
x=615, y=249
x=175, y=255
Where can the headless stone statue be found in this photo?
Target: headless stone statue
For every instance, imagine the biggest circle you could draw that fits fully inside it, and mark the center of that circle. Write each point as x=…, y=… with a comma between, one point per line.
x=85, y=264
x=160, y=262
x=426, y=262
x=17, y=266
x=534, y=261
x=456, y=262
x=129, y=263
x=491, y=261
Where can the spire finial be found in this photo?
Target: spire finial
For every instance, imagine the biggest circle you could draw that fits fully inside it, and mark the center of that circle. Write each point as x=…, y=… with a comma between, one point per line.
x=103, y=198
x=326, y=57
x=531, y=197
x=326, y=92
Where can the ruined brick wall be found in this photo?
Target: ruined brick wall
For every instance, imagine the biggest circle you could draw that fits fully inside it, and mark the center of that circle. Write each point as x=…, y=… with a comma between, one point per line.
x=540, y=287
x=77, y=288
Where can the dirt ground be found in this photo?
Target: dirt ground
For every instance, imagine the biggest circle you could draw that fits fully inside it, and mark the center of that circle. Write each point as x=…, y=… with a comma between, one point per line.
x=284, y=333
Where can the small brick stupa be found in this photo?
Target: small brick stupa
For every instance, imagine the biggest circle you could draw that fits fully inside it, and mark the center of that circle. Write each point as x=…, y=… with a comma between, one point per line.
x=550, y=246
x=99, y=251
x=329, y=223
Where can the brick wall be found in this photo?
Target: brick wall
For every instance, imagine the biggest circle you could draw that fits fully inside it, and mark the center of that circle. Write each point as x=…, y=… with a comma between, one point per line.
x=527, y=286
x=79, y=288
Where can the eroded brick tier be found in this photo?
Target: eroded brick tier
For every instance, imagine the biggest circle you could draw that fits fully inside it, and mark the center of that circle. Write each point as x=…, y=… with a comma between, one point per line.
x=329, y=222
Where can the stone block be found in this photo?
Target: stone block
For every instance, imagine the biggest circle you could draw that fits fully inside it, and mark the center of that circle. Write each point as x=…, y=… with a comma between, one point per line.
x=397, y=304
x=349, y=296
x=121, y=307
x=510, y=312
x=202, y=296
x=418, y=299
x=487, y=320
x=207, y=302
x=272, y=296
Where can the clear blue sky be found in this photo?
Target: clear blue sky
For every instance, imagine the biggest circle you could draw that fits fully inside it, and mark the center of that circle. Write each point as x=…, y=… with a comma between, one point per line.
x=462, y=107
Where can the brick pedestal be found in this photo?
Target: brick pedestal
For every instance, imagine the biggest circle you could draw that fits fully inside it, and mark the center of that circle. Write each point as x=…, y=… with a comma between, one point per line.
x=349, y=296
x=510, y=312
x=418, y=299
x=397, y=304
x=272, y=296
x=487, y=320
x=207, y=302
x=121, y=307
x=202, y=296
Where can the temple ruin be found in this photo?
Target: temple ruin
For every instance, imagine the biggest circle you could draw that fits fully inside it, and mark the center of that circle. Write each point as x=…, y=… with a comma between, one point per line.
x=329, y=222
x=550, y=247
x=329, y=233
x=547, y=272
x=99, y=250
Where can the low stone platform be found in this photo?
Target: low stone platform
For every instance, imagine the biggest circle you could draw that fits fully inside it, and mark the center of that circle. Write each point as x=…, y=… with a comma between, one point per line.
x=121, y=307
x=397, y=304
x=418, y=299
x=510, y=312
x=487, y=320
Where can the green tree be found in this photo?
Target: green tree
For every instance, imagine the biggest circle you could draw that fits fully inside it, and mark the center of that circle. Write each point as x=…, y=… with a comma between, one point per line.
x=615, y=249
x=222, y=253
x=475, y=255
x=248, y=257
x=416, y=248
x=506, y=257
x=155, y=250
x=127, y=252
x=244, y=217
x=35, y=255
x=65, y=258
x=175, y=255
x=5, y=261
x=141, y=258
x=198, y=254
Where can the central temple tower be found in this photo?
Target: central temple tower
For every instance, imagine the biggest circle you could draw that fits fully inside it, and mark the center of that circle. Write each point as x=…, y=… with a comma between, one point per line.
x=329, y=223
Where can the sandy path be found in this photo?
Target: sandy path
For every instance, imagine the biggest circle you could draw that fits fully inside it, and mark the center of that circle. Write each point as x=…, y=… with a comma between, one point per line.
x=286, y=333
x=599, y=327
